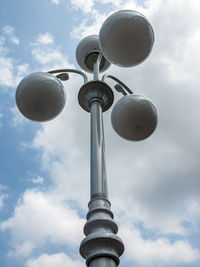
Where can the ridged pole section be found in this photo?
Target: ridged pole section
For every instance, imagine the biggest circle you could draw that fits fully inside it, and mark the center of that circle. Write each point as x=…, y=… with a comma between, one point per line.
x=101, y=247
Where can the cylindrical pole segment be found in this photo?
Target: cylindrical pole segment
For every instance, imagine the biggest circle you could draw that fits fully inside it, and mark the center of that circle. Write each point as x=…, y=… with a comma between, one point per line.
x=96, y=67
x=98, y=170
x=102, y=262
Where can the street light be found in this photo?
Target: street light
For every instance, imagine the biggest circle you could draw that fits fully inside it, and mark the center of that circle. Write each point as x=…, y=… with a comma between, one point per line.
x=125, y=39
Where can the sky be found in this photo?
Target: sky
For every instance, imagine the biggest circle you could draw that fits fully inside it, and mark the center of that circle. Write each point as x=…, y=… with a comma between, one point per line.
x=153, y=184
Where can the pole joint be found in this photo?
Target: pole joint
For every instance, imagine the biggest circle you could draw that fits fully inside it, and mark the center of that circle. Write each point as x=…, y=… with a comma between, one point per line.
x=95, y=90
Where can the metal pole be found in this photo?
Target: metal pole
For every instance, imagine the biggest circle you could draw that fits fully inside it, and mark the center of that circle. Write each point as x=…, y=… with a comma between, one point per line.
x=101, y=247
x=98, y=179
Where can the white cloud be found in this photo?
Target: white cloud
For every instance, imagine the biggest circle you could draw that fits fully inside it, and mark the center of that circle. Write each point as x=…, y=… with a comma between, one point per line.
x=86, y=27
x=3, y=195
x=55, y=2
x=9, y=31
x=60, y=154
x=7, y=77
x=1, y=116
x=154, y=252
x=11, y=71
x=3, y=49
x=47, y=54
x=117, y=3
x=38, y=180
x=21, y=250
x=17, y=118
x=82, y=5
x=21, y=71
x=51, y=219
x=15, y=40
x=53, y=260
x=45, y=39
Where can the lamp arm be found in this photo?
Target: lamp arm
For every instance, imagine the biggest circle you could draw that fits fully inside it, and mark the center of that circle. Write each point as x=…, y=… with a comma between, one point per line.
x=71, y=70
x=97, y=66
x=119, y=82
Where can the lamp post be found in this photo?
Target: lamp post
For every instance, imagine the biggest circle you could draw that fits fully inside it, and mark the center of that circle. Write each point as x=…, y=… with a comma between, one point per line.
x=125, y=39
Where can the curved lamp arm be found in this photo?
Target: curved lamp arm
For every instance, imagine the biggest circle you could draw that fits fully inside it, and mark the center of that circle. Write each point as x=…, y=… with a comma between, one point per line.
x=118, y=88
x=97, y=66
x=71, y=70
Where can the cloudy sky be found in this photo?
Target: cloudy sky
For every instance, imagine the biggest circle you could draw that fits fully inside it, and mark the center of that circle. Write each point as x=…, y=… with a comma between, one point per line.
x=154, y=184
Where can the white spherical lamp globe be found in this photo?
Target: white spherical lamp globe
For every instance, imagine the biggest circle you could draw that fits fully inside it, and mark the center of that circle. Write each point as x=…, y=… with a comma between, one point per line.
x=134, y=117
x=126, y=38
x=40, y=96
x=87, y=53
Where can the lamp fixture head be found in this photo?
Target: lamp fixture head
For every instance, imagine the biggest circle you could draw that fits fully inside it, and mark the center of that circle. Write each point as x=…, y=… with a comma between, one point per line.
x=134, y=117
x=40, y=96
x=126, y=38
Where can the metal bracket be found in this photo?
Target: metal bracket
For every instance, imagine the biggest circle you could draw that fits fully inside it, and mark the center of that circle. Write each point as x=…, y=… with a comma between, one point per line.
x=64, y=71
x=118, y=86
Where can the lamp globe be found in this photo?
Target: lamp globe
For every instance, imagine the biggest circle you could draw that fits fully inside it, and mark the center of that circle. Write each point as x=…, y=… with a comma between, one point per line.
x=126, y=38
x=87, y=53
x=40, y=96
x=134, y=117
